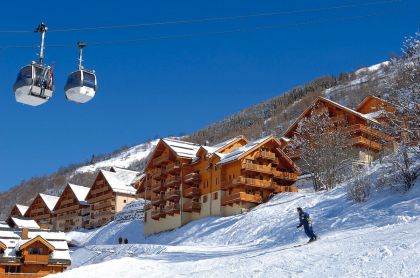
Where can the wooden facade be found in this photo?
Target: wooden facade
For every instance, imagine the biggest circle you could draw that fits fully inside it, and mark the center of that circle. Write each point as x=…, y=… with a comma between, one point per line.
x=367, y=141
x=185, y=181
x=26, y=253
x=18, y=210
x=108, y=195
x=41, y=210
x=72, y=211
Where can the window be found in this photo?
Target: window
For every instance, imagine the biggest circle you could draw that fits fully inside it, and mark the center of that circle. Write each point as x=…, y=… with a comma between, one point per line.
x=216, y=196
x=205, y=199
x=125, y=201
x=12, y=269
x=35, y=251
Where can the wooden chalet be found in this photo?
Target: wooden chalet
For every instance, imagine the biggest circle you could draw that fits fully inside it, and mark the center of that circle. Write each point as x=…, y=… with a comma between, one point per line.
x=18, y=210
x=110, y=192
x=32, y=253
x=22, y=222
x=187, y=181
x=42, y=210
x=366, y=140
x=72, y=211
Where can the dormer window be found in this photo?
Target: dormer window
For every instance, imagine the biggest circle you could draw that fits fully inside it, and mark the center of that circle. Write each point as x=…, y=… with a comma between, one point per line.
x=36, y=251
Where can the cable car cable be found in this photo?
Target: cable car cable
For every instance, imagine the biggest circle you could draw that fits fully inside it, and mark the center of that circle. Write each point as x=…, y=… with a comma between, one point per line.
x=210, y=19
x=201, y=34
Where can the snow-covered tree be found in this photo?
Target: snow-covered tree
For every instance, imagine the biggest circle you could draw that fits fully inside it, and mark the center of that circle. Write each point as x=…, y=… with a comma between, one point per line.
x=403, y=122
x=323, y=147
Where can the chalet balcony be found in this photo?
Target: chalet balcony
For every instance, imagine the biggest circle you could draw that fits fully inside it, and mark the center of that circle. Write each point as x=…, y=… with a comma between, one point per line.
x=250, y=167
x=158, y=187
x=192, y=178
x=173, y=167
x=293, y=154
x=267, y=155
x=285, y=175
x=172, y=209
x=362, y=141
x=158, y=200
x=359, y=128
x=158, y=173
x=173, y=195
x=241, y=197
x=173, y=181
x=285, y=188
x=192, y=206
x=35, y=259
x=158, y=213
x=164, y=158
x=191, y=192
x=264, y=184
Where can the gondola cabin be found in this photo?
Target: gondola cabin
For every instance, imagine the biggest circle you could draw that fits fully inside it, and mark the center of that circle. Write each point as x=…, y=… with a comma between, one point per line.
x=81, y=86
x=34, y=84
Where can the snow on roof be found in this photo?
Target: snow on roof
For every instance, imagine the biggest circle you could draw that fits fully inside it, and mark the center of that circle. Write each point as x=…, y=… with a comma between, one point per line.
x=60, y=255
x=182, y=148
x=22, y=209
x=25, y=223
x=285, y=139
x=47, y=235
x=237, y=153
x=8, y=234
x=120, y=181
x=49, y=200
x=3, y=224
x=80, y=192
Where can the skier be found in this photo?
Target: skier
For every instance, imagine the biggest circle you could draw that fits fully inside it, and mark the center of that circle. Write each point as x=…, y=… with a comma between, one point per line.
x=306, y=222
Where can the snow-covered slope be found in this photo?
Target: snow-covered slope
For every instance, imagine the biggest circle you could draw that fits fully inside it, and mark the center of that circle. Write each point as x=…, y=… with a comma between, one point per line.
x=124, y=159
x=378, y=238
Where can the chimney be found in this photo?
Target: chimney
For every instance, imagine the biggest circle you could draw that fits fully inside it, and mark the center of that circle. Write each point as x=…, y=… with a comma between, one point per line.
x=24, y=233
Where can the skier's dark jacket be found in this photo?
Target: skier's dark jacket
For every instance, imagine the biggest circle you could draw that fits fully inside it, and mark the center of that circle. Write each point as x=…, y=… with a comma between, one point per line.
x=305, y=220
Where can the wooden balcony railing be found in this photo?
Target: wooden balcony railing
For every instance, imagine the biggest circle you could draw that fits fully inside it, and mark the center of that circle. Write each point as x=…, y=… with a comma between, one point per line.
x=164, y=158
x=173, y=167
x=173, y=195
x=173, y=181
x=148, y=206
x=285, y=175
x=257, y=168
x=192, y=178
x=158, y=187
x=191, y=192
x=158, y=173
x=158, y=200
x=192, y=206
x=284, y=188
x=266, y=155
x=359, y=128
x=172, y=209
x=366, y=143
x=158, y=213
x=35, y=259
x=241, y=197
x=248, y=182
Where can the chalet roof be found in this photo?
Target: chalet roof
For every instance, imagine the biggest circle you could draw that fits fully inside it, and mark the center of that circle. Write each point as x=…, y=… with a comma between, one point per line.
x=24, y=223
x=49, y=200
x=22, y=209
x=121, y=181
x=242, y=150
x=182, y=148
x=217, y=147
x=366, y=99
x=333, y=103
x=23, y=243
x=80, y=192
x=3, y=224
x=54, y=240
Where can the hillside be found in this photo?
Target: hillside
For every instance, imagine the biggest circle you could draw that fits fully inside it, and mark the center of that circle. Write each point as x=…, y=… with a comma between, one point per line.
x=373, y=239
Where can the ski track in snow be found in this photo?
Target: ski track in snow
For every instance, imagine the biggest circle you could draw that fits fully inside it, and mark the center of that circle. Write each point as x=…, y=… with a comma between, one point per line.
x=378, y=238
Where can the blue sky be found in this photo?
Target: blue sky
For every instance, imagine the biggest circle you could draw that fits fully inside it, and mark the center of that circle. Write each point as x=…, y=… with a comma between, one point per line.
x=162, y=87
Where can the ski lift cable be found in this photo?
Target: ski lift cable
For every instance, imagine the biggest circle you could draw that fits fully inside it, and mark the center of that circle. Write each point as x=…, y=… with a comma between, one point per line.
x=202, y=34
x=210, y=19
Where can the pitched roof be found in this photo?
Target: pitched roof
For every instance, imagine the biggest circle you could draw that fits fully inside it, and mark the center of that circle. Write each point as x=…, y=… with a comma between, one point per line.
x=349, y=110
x=80, y=192
x=121, y=181
x=242, y=150
x=49, y=200
x=366, y=99
x=217, y=147
x=26, y=242
x=22, y=209
x=24, y=223
x=182, y=148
